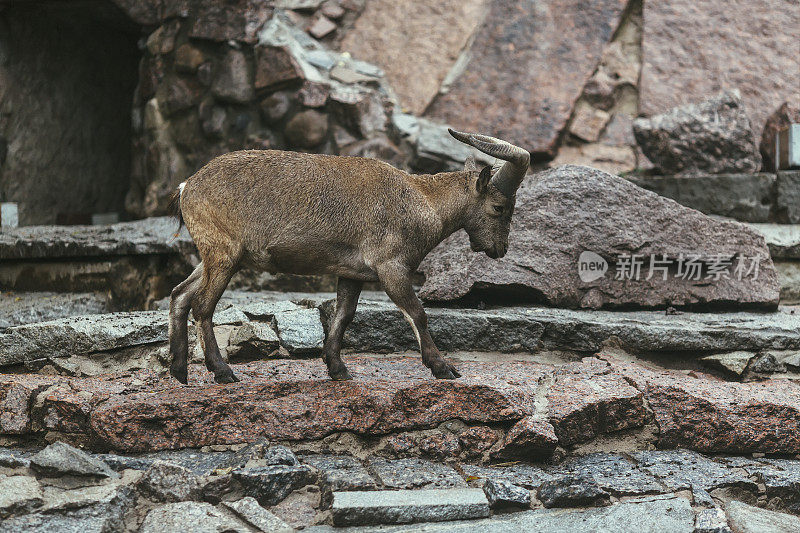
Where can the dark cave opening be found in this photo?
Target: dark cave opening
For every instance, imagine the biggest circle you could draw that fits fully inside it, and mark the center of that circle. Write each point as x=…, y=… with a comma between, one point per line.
x=68, y=71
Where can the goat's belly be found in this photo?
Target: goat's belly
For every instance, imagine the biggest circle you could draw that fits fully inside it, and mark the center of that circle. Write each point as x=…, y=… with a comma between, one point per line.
x=311, y=260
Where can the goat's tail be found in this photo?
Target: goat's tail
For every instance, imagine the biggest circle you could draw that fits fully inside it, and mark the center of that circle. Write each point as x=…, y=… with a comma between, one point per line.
x=175, y=207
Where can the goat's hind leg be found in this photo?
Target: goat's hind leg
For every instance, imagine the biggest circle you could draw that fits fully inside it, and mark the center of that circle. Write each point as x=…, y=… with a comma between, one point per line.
x=214, y=281
x=347, y=292
x=179, y=306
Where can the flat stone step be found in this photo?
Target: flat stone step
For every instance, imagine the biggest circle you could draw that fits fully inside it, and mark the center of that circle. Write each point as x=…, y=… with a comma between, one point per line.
x=654, y=514
x=407, y=506
x=528, y=408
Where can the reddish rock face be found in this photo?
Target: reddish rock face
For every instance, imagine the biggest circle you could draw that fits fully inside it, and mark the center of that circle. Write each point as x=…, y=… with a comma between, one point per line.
x=529, y=438
x=711, y=416
x=588, y=398
x=415, y=43
x=295, y=400
x=236, y=19
x=694, y=48
x=530, y=61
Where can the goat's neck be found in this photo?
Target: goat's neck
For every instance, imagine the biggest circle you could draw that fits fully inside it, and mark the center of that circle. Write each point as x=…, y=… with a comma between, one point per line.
x=449, y=194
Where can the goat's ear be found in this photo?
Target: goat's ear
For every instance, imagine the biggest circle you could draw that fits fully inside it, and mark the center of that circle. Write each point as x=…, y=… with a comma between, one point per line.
x=484, y=179
x=470, y=165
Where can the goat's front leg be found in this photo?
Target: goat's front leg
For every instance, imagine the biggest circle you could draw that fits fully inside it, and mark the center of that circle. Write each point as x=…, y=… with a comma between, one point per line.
x=347, y=292
x=396, y=281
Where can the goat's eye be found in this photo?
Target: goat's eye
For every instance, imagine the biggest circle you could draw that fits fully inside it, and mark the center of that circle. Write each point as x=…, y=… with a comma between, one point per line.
x=498, y=209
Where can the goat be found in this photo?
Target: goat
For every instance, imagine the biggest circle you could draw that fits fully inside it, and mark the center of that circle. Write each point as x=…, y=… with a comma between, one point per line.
x=356, y=218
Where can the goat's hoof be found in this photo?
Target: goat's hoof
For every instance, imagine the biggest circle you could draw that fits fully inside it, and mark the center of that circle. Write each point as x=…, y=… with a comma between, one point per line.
x=445, y=371
x=225, y=376
x=340, y=375
x=180, y=373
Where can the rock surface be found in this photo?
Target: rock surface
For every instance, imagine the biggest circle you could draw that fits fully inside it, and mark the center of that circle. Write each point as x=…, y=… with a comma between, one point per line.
x=405, y=506
x=415, y=43
x=60, y=458
x=553, y=46
x=744, y=197
x=745, y=518
x=148, y=236
x=564, y=212
x=501, y=493
x=141, y=411
x=713, y=136
x=684, y=62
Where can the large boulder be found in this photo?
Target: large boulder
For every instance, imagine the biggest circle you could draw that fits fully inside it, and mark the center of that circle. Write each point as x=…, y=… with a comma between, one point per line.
x=575, y=217
x=713, y=137
x=526, y=68
x=693, y=48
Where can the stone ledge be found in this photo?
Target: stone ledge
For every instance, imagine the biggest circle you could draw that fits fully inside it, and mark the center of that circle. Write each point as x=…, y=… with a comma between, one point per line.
x=294, y=400
x=142, y=237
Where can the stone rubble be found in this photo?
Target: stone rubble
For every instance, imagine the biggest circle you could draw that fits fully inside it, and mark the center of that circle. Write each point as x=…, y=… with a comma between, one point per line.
x=662, y=483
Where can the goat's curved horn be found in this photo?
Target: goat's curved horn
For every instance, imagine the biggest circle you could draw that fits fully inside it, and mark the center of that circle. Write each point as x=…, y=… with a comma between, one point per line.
x=517, y=159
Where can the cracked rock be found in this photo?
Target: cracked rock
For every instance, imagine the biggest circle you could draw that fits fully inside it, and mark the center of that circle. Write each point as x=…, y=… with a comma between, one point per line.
x=190, y=517
x=572, y=491
x=60, y=459
x=414, y=473
x=251, y=512
x=167, y=482
x=18, y=494
x=501, y=493
x=271, y=484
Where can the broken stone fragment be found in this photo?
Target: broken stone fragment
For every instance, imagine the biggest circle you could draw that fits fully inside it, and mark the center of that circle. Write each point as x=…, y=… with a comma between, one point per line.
x=414, y=473
x=321, y=27
x=713, y=136
x=528, y=439
x=572, y=491
x=276, y=68
x=501, y=493
x=167, y=482
x=271, y=484
x=251, y=512
x=191, y=517
x=60, y=458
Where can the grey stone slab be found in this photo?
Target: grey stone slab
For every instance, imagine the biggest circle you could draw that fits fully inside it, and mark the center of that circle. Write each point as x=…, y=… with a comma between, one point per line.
x=501, y=493
x=683, y=469
x=664, y=514
x=60, y=458
x=744, y=197
x=99, y=518
x=13, y=458
x=251, y=512
x=530, y=477
x=711, y=521
x=29, y=307
x=341, y=472
x=781, y=479
x=81, y=334
x=379, y=326
x=199, y=463
x=190, y=517
x=271, y=484
x=19, y=494
x=407, y=506
x=745, y=518
x=168, y=482
x=148, y=236
x=612, y=473
x=414, y=473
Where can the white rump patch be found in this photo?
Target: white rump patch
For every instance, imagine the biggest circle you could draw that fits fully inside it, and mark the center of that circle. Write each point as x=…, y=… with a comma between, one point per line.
x=180, y=188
